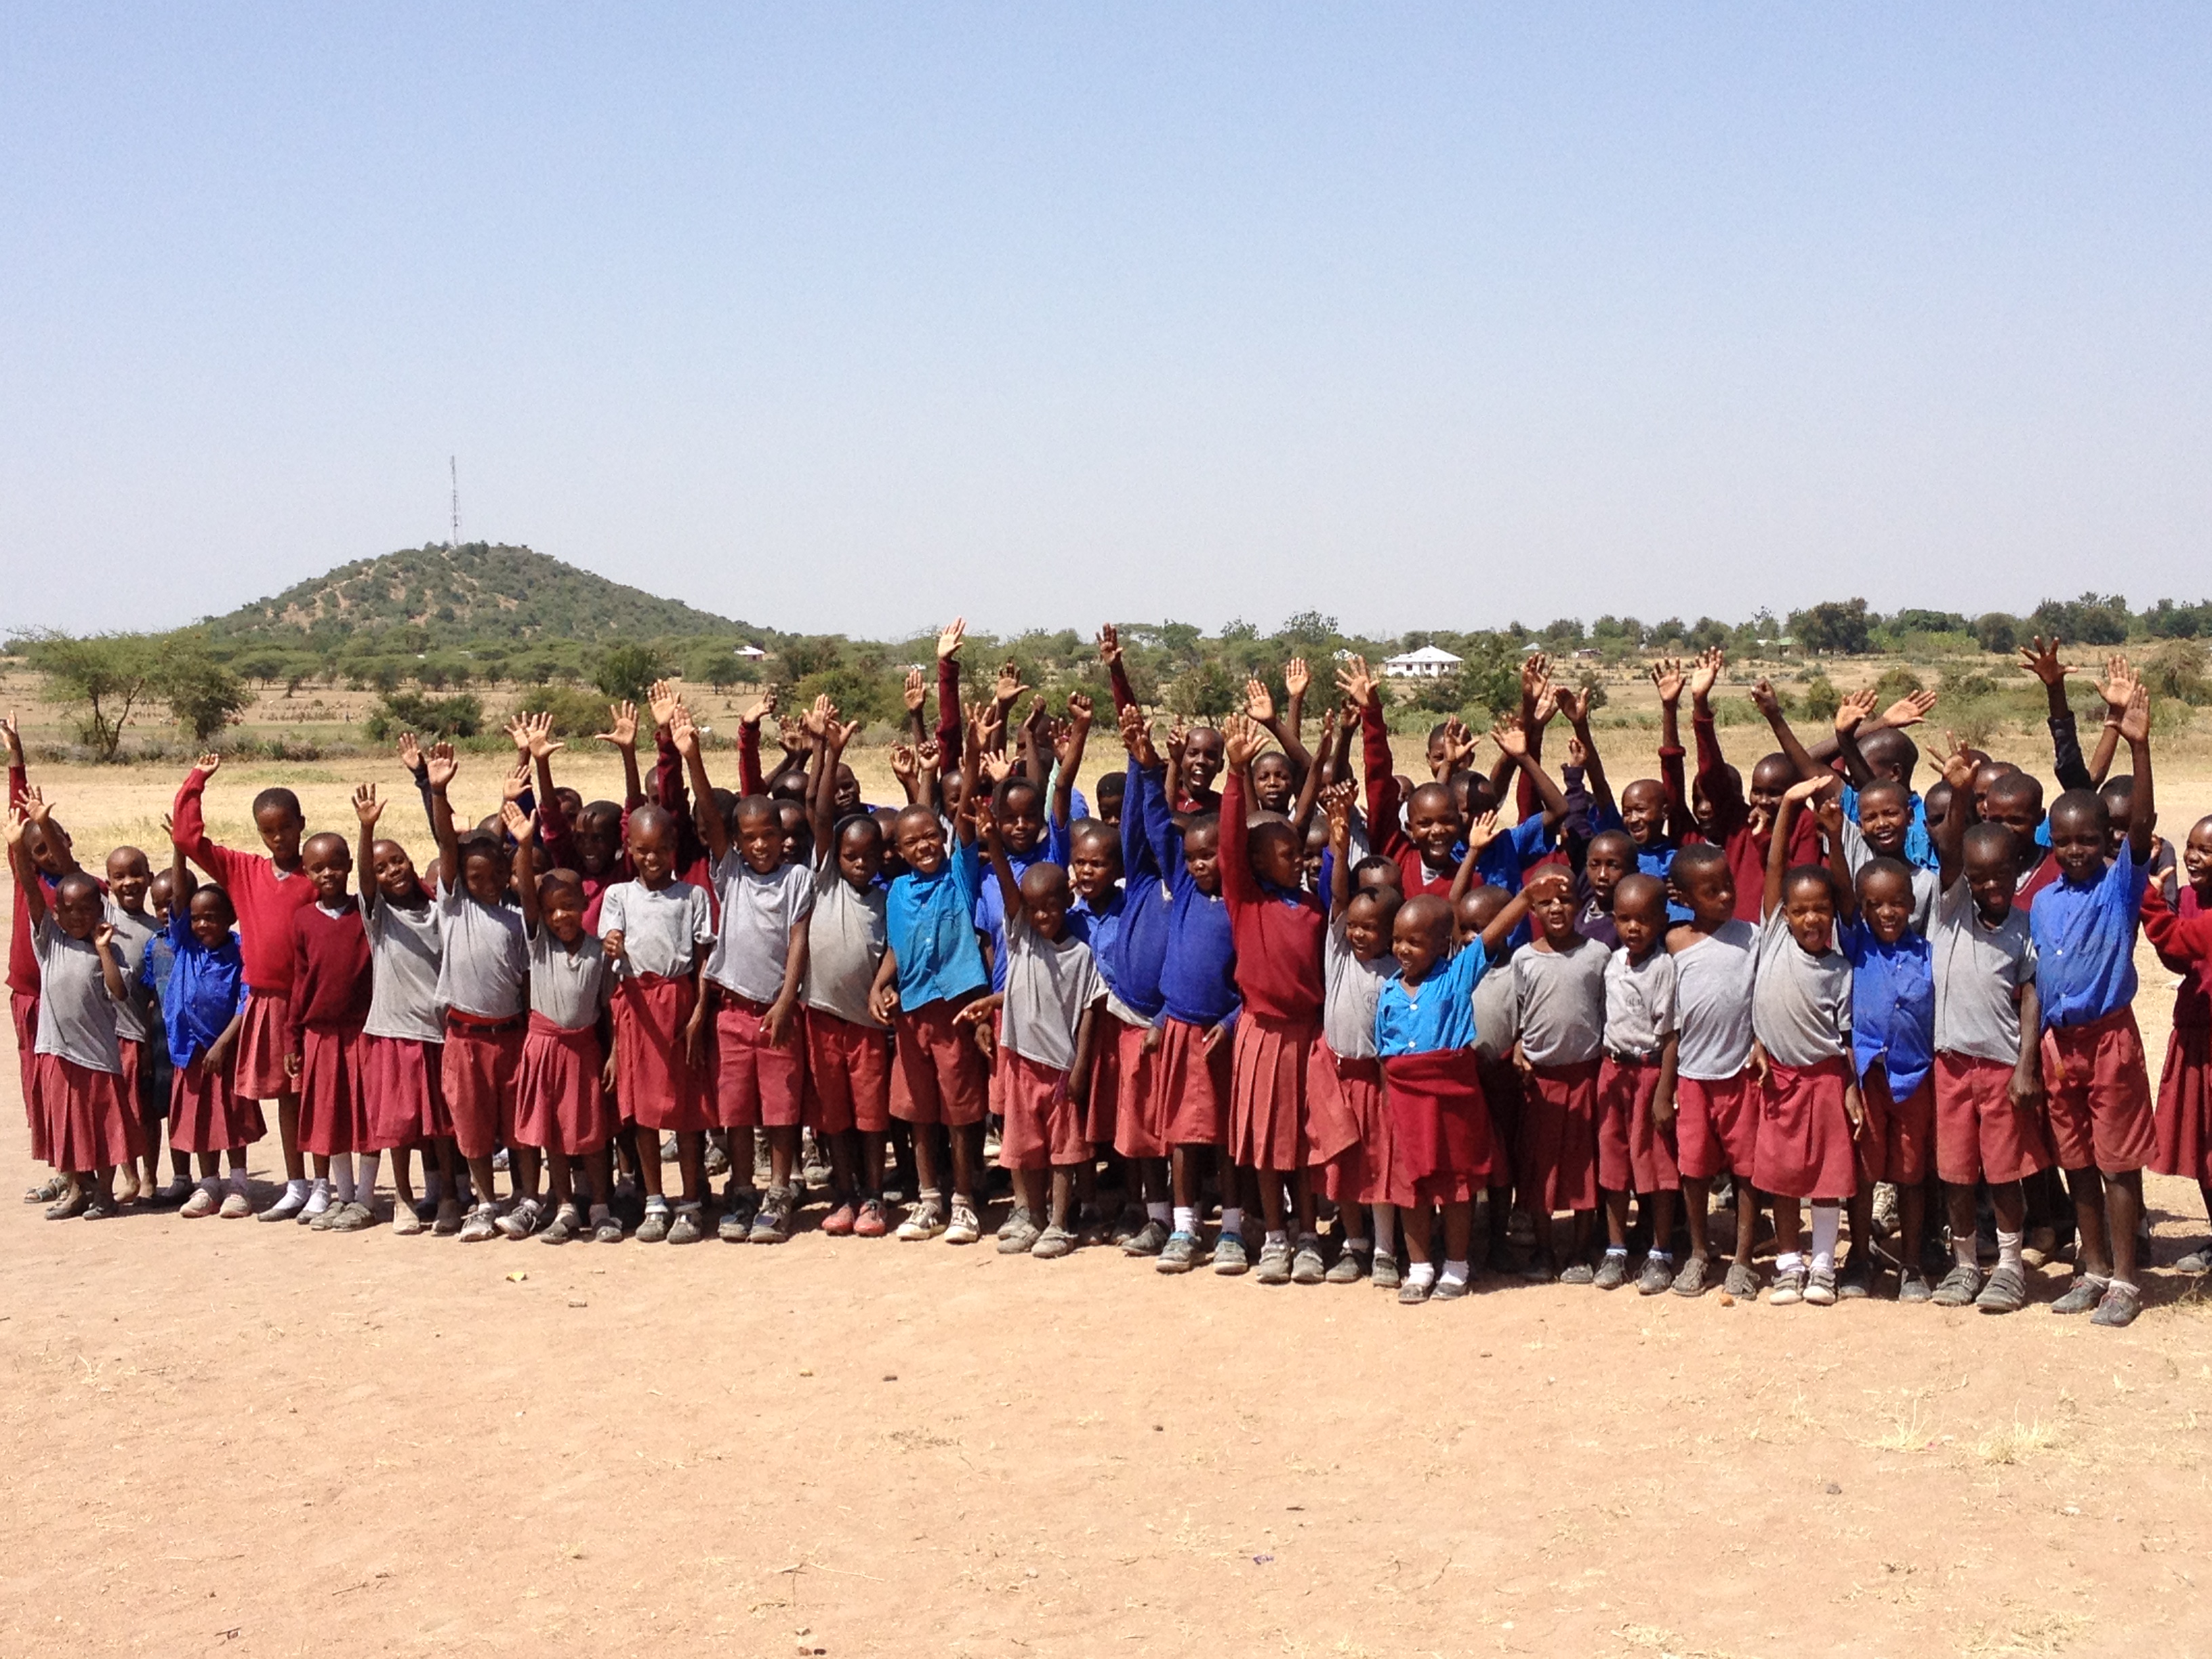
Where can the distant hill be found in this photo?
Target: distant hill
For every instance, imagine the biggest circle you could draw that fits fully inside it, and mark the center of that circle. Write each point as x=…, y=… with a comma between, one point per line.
x=468, y=593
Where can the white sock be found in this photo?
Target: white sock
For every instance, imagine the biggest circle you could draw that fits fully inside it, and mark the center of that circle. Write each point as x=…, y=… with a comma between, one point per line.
x=1185, y=1219
x=342, y=1176
x=1277, y=1236
x=1232, y=1221
x=1826, y=1220
x=1788, y=1261
x=657, y=1201
x=296, y=1191
x=1163, y=1214
x=364, y=1184
x=1454, y=1273
x=2008, y=1249
x=1384, y=1219
x=1660, y=1255
x=1421, y=1272
x=1620, y=1250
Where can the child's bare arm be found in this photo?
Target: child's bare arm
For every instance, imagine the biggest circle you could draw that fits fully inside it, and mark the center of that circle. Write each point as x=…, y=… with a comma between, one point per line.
x=1828, y=808
x=1663, y=1098
x=1950, y=836
x=2117, y=688
x=1336, y=802
x=982, y=733
x=1503, y=924
x=1002, y=870
x=1763, y=699
x=442, y=769
x=835, y=738
x=2025, y=1088
x=1079, y=710
x=522, y=828
x=367, y=809
x=2142, y=815
x=1078, y=1075
x=111, y=966
x=713, y=833
x=777, y=1021
x=1576, y=706
x=1778, y=846
x=1479, y=834
x=882, y=995
x=1513, y=742
x=622, y=733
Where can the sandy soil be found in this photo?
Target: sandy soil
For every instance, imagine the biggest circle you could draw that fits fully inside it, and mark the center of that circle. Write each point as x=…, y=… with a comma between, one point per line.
x=232, y=1438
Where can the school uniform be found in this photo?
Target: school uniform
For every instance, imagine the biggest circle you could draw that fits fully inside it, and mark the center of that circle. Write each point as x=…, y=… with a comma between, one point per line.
x=1635, y=1153
x=848, y=1049
x=1716, y=1118
x=1500, y=864
x=1560, y=998
x=481, y=975
x=1893, y=1048
x=2096, y=1084
x=1744, y=847
x=938, y=1074
x=1198, y=982
x=561, y=1104
x=267, y=900
x=1927, y=885
x=332, y=989
x=205, y=991
x=137, y=1021
x=1129, y=939
x=79, y=1067
x=1800, y=1010
x=1352, y=990
x=1497, y=1002
x=403, y=1041
x=664, y=932
x=1979, y=972
x=1050, y=985
x=1919, y=848
x=1440, y=1146
x=2181, y=931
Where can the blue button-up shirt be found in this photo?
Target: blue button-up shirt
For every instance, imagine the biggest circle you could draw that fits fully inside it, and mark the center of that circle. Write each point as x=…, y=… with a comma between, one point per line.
x=930, y=923
x=1892, y=1005
x=206, y=989
x=1435, y=1015
x=2085, y=942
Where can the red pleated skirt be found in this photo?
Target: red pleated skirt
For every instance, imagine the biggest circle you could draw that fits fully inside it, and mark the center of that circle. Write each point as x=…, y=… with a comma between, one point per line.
x=258, y=1069
x=1194, y=1084
x=560, y=1103
x=1362, y=1174
x=1634, y=1154
x=659, y=1086
x=1440, y=1146
x=406, y=1088
x=1140, y=1103
x=1503, y=1095
x=91, y=1129
x=1555, y=1155
x=23, y=1007
x=1284, y=1112
x=206, y=1115
x=2185, y=1106
x=333, y=1092
x=1805, y=1148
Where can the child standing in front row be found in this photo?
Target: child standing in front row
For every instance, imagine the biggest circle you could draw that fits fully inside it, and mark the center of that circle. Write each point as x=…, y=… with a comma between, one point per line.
x=329, y=1004
x=1717, y=1111
x=136, y=1018
x=1559, y=993
x=402, y=1040
x=2182, y=933
x=1635, y=1086
x=1359, y=964
x=203, y=1010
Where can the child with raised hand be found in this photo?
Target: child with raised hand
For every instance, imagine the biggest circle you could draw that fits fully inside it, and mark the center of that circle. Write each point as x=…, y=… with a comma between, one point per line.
x=50, y=861
x=1809, y=1111
x=1200, y=1002
x=562, y=1107
x=1729, y=816
x=1286, y=1117
x=1497, y=1039
x=1129, y=931
x=1559, y=992
x=932, y=968
x=332, y=985
x=481, y=975
x=1989, y=1080
x=137, y=1022
x=848, y=1052
x=152, y=968
x=756, y=967
x=1048, y=1012
x=269, y=892
x=2097, y=1086
x=2180, y=930
x=203, y=1010
x=90, y=1130
x=1716, y=1108
x=1635, y=1087
x=1357, y=965
x=1882, y=819
x=403, y=1039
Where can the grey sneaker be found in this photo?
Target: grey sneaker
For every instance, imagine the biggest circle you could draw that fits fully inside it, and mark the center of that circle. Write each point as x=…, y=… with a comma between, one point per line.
x=568, y=1221
x=1657, y=1274
x=1914, y=1287
x=1741, y=1282
x=1578, y=1273
x=687, y=1228
x=479, y=1226
x=1307, y=1267
x=1448, y=1290
x=606, y=1231
x=773, y=1224
x=740, y=1206
x=2199, y=1260
x=1179, y=1255
x=654, y=1228
x=1855, y=1282
x=1613, y=1272
x=1020, y=1233
x=1821, y=1287
x=1383, y=1275
x=1274, y=1262
x=815, y=1171
x=1411, y=1292
x=1051, y=1243
x=521, y=1221
x=354, y=1217
x=1959, y=1287
x=2006, y=1293
x=1885, y=1210
x=1350, y=1264
x=322, y=1220
x=963, y=1228
x=1230, y=1256
x=1148, y=1240
x=2119, y=1306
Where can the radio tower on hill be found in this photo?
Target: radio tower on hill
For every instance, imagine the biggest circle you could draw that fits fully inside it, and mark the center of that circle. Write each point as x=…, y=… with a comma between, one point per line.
x=453, y=472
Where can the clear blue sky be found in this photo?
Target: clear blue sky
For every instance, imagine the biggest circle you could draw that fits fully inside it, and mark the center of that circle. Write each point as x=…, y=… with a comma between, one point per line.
x=850, y=318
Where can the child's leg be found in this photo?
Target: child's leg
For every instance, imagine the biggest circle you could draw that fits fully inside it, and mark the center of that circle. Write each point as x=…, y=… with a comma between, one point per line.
x=402, y=1183
x=1459, y=1232
x=212, y=1165
x=1697, y=1207
x=480, y=1172
x=1662, y=1204
x=2124, y=1208
x=1862, y=1213
x=1303, y=1203
x=691, y=1155
x=1064, y=1179
x=967, y=1159
x=2092, y=1255
x=871, y=1163
x=1827, y=1222
x=558, y=1185
x=1616, y=1220
x=743, y=1150
x=1911, y=1227
x=929, y=1164
x=643, y=1146
x=1788, y=1240
x=288, y=1135
x=1585, y=1227
x=1030, y=1191
x=1746, y=1219
x=1418, y=1219
x=844, y=1166
x=1272, y=1208
x=599, y=1171
x=1501, y=1213
x=782, y=1153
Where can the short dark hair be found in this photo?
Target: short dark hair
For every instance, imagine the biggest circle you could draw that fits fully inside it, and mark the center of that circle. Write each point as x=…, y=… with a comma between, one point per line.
x=279, y=796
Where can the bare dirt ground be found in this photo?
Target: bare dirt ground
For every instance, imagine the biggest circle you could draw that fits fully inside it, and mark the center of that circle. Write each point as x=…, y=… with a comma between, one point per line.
x=238, y=1438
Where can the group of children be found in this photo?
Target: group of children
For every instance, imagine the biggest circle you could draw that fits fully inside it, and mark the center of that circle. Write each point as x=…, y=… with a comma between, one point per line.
x=1238, y=977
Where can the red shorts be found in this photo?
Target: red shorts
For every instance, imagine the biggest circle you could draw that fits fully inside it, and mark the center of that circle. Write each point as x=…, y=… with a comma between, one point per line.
x=1194, y=1084
x=938, y=1073
x=206, y=1115
x=1141, y=1105
x=1440, y=1148
x=1555, y=1159
x=1634, y=1154
x=1898, y=1144
x=406, y=1092
x=1284, y=1112
x=2185, y=1106
x=2097, y=1095
x=1044, y=1127
x=476, y=1073
x=757, y=1084
x=24, y=1008
x=85, y=1114
x=257, y=1068
x=333, y=1092
x=1362, y=1175
x=849, y=1076
x=561, y=1104
x=1805, y=1148
x=1980, y=1135
x=1503, y=1096
x=1715, y=1126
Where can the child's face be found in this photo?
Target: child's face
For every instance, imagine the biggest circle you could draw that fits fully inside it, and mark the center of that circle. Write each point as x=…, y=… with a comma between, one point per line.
x=484, y=875
x=394, y=871
x=1418, y=942
x=596, y=839
x=1701, y=810
x=2020, y=810
x=1551, y=902
x=1201, y=761
x=1316, y=844
x=1809, y=906
x=921, y=840
x=128, y=878
x=561, y=908
x=2197, y=853
x=211, y=918
x=1610, y=857
x=1094, y=864
x=329, y=866
x=860, y=854
x=1643, y=810
x=1021, y=818
x=78, y=906
x=1709, y=893
x=1769, y=781
x=1890, y=754
x=1433, y=824
x=1272, y=785
x=1985, y=775
x=2077, y=841
x=651, y=844
x=1640, y=918
x=1477, y=909
x=1107, y=804
x=281, y=830
x=1885, y=901
x=1044, y=900
x=2120, y=817
x=798, y=834
x=1201, y=856
x=1277, y=855
x=1991, y=877
x=759, y=840
x=48, y=848
x=1885, y=814
x=160, y=894
x=848, y=797
x=1367, y=921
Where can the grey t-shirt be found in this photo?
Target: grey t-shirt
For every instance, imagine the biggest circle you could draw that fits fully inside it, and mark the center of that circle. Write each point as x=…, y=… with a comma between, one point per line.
x=1639, y=1002
x=1980, y=971
x=485, y=962
x=1927, y=885
x=1801, y=1008
x=1561, y=996
x=758, y=913
x=1497, y=1011
x=1049, y=982
x=1713, y=977
x=1352, y=987
x=405, y=947
x=136, y=1016
x=76, y=1020
x=844, y=946
x=663, y=929
x=568, y=986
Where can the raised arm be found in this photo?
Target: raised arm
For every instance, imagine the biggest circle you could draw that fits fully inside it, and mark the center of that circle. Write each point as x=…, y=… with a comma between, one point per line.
x=190, y=816
x=1502, y=925
x=1762, y=698
x=1479, y=834
x=1079, y=711
x=1138, y=862
x=1851, y=713
x=1109, y=652
x=368, y=810
x=442, y=769
x=714, y=832
x=2142, y=815
x=29, y=893
x=1950, y=836
x=914, y=693
x=1376, y=761
x=1242, y=740
x=622, y=733
x=835, y=738
x=1291, y=733
x=2041, y=659
x=2117, y=688
x=1778, y=845
x=1667, y=679
x=1513, y=742
x=1723, y=793
x=1828, y=807
x=1002, y=870
x=1336, y=802
x=750, y=782
x=950, y=731
x=1576, y=706
x=983, y=733
x=522, y=829
x=1260, y=708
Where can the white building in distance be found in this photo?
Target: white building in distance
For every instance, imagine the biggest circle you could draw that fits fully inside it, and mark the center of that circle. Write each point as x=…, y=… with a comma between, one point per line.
x=1428, y=663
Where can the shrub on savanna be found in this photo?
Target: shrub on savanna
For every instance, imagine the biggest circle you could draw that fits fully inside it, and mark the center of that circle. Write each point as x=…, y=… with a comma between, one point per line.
x=859, y=695
x=458, y=716
x=107, y=677
x=578, y=715
x=625, y=672
x=2177, y=671
x=1822, y=698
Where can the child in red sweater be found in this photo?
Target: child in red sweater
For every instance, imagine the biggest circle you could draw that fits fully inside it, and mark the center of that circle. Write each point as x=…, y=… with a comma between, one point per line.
x=328, y=1008
x=2181, y=933
x=268, y=893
